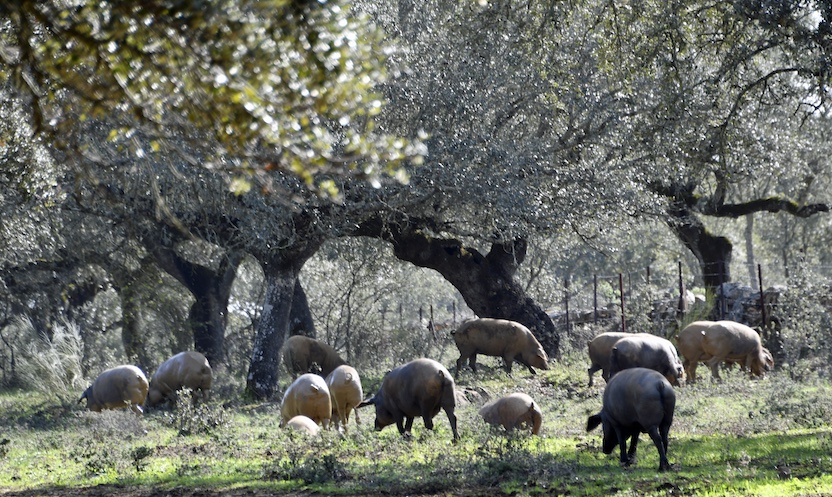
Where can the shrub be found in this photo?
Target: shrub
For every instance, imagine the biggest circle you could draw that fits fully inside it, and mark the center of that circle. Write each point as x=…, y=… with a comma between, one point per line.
x=51, y=365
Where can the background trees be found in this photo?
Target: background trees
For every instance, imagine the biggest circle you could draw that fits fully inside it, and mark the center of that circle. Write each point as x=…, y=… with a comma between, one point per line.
x=156, y=143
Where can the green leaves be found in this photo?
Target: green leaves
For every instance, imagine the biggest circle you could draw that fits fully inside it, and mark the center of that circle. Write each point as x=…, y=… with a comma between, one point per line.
x=292, y=81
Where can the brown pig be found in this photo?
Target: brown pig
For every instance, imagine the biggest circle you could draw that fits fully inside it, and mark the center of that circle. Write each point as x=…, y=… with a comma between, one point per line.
x=500, y=338
x=304, y=424
x=301, y=353
x=184, y=370
x=419, y=388
x=346, y=393
x=600, y=349
x=309, y=396
x=647, y=351
x=715, y=342
x=115, y=388
x=516, y=410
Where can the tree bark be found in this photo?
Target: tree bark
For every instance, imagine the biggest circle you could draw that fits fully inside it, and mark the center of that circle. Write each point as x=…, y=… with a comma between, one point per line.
x=300, y=317
x=283, y=295
x=132, y=326
x=713, y=252
x=211, y=290
x=486, y=282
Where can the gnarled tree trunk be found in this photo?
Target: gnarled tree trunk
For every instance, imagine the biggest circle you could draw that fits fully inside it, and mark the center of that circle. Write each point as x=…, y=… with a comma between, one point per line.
x=285, y=309
x=486, y=282
x=713, y=252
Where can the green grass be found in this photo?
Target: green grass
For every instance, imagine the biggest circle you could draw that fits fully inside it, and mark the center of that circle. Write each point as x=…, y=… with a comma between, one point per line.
x=767, y=437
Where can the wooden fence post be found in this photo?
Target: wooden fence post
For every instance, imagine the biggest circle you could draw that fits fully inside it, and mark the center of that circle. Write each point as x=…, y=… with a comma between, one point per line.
x=762, y=295
x=595, y=298
x=683, y=308
x=621, y=292
x=566, y=300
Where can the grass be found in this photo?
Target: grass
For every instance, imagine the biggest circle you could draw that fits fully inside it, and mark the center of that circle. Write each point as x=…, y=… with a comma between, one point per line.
x=767, y=437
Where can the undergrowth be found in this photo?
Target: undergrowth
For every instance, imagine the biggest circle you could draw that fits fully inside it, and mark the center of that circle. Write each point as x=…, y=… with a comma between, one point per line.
x=741, y=436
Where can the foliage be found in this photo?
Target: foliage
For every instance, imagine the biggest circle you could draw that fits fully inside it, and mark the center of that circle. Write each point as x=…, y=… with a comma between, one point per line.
x=51, y=365
x=276, y=84
x=737, y=437
x=190, y=417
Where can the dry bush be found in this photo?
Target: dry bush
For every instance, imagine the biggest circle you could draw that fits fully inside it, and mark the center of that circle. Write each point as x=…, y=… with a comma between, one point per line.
x=51, y=365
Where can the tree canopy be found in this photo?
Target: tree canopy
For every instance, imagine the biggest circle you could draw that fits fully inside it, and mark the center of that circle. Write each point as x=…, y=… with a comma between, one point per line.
x=189, y=135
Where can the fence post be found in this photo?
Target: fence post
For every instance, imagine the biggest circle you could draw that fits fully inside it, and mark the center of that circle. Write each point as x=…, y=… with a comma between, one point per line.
x=683, y=308
x=621, y=292
x=595, y=298
x=566, y=300
x=721, y=269
x=762, y=295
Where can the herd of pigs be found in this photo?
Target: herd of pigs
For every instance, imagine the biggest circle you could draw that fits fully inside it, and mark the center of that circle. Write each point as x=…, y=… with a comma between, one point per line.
x=640, y=370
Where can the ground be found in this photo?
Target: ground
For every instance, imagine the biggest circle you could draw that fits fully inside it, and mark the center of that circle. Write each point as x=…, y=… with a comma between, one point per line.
x=124, y=491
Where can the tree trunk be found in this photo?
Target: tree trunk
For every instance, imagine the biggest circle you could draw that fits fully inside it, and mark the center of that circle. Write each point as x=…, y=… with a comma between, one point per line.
x=132, y=326
x=271, y=330
x=486, y=282
x=300, y=317
x=284, y=306
x=749, y=252
x=713, y=252
x=211, y=290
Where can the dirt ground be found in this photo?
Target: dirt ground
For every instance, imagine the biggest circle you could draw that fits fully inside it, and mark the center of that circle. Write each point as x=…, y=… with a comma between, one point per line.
x=125, y=491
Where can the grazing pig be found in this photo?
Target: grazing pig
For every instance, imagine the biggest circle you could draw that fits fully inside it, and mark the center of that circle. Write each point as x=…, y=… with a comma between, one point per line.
x=184, y=370
x=301, y=354
x=715, y=342
x=500, y=338
x=118, y=387
x=304, y=424
x=637, y=400
x=346, y=393
x=517, y=410
x=419, y=388
x=308, y=396
x=600, y=349
x=647, y=351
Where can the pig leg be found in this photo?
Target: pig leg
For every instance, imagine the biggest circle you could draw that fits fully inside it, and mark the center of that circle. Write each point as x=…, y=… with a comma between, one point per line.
x=622, y=445
x=507, y=362
x=661, y=445
x=472, y=361
x=631, y=454
x=400, y=425
x=713, y=363
x=459, y=363
x=452, y=421
x=591, y=370
x=690, y=369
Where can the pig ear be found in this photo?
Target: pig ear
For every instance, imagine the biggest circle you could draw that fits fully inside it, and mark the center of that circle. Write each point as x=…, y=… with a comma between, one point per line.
x=364, y=403
x=593, y=422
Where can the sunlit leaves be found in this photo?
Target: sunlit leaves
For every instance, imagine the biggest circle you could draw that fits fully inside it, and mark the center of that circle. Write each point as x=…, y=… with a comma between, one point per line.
x=291, y=81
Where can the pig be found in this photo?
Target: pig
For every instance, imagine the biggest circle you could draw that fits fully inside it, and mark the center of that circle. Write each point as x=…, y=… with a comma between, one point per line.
x=419, y=388
x=647, y=351
x=636, y=400
x=500, y=338
x=600, y=349
x=304, y=424
x=516, y=410
x=184, y=370
x=715, y=342
x=308, y=395
x=115, y=388
x=301, y=354
x=346, y=393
